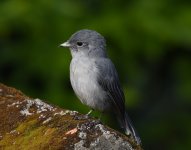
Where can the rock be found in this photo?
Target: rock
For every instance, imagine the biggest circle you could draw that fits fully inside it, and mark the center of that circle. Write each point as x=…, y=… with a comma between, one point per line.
x=27, y=123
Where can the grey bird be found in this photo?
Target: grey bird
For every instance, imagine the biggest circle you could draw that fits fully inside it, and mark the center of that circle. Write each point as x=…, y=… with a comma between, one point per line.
x=94, y=78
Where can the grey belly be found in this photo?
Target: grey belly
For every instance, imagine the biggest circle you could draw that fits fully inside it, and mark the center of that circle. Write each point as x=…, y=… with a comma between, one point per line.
x=84, y=83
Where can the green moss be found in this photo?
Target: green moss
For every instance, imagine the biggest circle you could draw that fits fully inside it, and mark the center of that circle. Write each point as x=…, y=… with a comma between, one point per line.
x=28, y=136
x=36, y=138
x=26, y=126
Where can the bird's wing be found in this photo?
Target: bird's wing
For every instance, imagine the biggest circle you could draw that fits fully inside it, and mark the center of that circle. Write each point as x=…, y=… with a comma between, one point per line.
x=108, y=79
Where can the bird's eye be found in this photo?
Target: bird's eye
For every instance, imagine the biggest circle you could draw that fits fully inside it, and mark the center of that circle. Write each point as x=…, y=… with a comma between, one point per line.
x=79, y=43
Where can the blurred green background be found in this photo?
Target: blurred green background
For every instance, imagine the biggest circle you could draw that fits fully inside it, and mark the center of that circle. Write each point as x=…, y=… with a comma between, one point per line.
x=148, y=41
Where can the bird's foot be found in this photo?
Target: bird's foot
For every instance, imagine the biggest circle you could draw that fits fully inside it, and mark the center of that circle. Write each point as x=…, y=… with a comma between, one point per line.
x=83, y=117
x=92, y=123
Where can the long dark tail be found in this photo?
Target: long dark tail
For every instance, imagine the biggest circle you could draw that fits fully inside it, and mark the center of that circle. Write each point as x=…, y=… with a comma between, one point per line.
x=129, y=129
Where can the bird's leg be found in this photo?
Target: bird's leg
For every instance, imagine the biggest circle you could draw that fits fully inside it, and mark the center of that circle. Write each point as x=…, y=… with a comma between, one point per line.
x=89, y=112
x=86, y=116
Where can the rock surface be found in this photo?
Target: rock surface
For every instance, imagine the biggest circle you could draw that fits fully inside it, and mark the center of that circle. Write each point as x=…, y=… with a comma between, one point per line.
x=27, y=123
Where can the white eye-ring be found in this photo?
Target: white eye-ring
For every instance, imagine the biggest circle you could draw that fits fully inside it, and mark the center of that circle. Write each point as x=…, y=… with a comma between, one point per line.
x=79, y=43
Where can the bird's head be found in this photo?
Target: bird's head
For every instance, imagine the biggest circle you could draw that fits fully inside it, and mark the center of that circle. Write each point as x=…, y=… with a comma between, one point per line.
x=86, y=42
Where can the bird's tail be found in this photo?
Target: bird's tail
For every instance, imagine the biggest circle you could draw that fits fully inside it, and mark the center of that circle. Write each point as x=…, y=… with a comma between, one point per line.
x=129, y=129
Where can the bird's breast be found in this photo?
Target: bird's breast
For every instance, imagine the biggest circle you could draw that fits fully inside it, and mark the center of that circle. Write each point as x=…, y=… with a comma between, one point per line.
x=83, y=71
x=83, y=77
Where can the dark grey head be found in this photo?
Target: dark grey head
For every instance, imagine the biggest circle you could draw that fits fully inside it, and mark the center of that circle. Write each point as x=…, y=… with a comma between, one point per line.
x=86, y=42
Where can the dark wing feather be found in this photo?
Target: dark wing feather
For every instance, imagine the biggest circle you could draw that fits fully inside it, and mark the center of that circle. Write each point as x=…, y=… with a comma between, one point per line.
x=108, y=79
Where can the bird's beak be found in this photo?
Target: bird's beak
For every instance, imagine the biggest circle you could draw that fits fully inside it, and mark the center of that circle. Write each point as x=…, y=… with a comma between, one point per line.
x=65, y=44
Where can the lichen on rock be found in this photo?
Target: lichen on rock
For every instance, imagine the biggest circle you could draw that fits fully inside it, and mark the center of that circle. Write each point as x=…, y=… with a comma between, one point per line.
x=27, y=123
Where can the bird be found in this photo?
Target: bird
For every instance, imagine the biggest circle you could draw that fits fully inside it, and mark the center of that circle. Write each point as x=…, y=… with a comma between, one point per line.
x=94, y=78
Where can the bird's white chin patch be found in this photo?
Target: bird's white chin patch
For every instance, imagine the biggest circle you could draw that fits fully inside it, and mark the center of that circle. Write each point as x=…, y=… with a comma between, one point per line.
x=65, y=44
